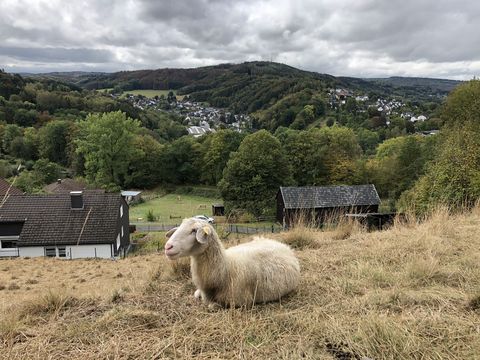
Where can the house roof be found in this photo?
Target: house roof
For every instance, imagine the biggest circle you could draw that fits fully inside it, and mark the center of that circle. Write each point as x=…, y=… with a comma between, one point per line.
x=6, y=187
x=49, y=219
x=62, y=186
x=312, y=197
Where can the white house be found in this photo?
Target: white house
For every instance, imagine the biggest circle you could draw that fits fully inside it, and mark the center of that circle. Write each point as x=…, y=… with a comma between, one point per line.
x=87, y=224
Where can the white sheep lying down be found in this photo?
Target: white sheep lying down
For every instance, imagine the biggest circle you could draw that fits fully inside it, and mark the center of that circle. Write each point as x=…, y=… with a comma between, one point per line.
x=255, y=272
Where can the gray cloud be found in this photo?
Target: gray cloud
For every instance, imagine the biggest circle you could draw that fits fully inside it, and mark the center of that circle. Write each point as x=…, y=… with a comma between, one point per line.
x=59, y=55
x=343, y=37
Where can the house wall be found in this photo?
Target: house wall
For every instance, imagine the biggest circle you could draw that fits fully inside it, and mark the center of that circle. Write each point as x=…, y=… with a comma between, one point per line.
x=9, y=252
x=123, y=221
x=73, y=252
x=103, y=251
x=31, y=251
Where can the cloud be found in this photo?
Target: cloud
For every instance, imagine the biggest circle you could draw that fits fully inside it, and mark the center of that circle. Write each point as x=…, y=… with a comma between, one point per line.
x=343, y=37
x=56, y=55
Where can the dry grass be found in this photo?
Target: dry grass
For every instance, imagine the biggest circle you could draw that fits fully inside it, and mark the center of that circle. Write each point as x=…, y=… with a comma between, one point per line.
x=411, y=292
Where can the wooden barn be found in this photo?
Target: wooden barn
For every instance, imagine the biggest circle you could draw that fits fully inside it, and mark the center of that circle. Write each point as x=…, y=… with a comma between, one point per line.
x=319, y=203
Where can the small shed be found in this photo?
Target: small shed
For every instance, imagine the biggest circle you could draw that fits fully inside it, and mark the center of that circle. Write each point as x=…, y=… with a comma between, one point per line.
x=318, y=203
x=218, y=210
x=131, y=196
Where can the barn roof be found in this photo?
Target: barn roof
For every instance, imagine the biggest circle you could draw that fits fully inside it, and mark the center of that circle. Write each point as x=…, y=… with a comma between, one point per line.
x=50, y=219
x=314, y=197
x=6, y=187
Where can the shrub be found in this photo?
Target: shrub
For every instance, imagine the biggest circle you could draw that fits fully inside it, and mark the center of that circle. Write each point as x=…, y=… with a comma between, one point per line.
x=150, y=216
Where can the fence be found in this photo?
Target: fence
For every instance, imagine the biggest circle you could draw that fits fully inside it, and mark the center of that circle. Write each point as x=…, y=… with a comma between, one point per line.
x=231, y=228
x=241, y=229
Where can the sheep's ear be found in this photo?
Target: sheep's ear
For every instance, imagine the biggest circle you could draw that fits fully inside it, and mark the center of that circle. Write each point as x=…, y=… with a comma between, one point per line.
x=203, y=234
x=170, y=232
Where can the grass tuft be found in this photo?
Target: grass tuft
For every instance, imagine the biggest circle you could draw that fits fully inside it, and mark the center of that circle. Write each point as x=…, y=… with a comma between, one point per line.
x=301, y=237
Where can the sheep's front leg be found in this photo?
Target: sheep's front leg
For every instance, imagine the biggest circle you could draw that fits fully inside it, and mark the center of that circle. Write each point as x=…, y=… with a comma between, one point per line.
x=198, y=295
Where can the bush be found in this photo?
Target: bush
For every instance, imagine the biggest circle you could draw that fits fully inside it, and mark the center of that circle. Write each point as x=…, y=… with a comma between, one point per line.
x=150, y=216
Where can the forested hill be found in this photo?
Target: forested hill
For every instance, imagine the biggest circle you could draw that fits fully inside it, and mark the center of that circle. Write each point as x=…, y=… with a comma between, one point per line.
x=435, y=85
x=273, y=93
x=213, y=77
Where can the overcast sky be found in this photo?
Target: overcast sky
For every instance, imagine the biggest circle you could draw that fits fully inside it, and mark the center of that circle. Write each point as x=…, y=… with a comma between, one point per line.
x=364, y=38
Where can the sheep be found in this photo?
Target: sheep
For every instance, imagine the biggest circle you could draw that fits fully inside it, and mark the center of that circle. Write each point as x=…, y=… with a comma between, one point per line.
x=259, y=271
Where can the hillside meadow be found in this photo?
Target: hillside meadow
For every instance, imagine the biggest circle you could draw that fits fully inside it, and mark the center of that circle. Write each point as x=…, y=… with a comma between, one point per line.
x=172, y=208
x=411, y=292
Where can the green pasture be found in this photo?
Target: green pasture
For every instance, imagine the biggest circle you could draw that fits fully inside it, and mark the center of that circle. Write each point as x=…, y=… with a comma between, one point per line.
x=152, y=93
x=172, y=208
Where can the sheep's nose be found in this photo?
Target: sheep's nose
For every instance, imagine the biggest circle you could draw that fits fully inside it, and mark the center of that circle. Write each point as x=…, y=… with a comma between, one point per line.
x=168, y=246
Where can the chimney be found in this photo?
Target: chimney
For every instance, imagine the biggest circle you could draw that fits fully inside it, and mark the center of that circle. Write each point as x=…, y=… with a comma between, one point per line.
x=76, y=198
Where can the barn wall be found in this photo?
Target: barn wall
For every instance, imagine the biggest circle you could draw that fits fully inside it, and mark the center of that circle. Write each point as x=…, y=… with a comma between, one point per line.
x=317, y=217
x=280, y=208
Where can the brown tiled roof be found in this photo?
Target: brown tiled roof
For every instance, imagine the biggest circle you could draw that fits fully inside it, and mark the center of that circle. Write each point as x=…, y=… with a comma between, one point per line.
x=62, y=186
x=6, y=187
x=314, y=197
x=49, y=219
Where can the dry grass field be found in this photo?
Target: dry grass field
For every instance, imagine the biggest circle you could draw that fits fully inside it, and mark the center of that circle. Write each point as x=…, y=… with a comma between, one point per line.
x=411, y=292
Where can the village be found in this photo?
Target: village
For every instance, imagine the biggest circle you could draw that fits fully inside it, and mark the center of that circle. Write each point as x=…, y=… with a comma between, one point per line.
x=197, y=117
x=385, y=106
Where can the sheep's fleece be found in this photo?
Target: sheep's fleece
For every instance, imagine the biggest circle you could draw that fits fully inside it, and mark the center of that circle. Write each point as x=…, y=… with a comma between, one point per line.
x=255, y=272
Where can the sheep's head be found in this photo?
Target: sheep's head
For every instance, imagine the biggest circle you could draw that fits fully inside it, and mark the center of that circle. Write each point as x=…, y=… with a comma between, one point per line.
x=189, y=239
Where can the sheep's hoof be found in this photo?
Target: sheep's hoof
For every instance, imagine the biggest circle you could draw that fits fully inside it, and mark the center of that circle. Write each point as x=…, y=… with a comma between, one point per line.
x=213, y=307
x=198, y=294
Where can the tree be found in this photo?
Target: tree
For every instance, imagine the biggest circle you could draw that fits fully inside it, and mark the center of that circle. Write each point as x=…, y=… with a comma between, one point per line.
x=398, y=163
x=340, y=153
x=215, y=158
x=452, y=178
x=183, y=161
x=254, y=173
x=146, y=166
x=367, y=139
x=107, y=144
x=305, y=155
x=54, y=140
x=46, y=171
x=10, y=132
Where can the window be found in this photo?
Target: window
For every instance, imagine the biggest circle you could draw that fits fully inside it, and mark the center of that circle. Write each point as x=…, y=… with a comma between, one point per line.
x=51, y=251
x=62, y=252
x=122, y=231
x=118, y=241
x=8, y=244
x=121, y=211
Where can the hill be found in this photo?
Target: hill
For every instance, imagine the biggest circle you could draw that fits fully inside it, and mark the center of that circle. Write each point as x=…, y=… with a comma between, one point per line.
x=434, y=85
x=275, y=94
x=408, y=292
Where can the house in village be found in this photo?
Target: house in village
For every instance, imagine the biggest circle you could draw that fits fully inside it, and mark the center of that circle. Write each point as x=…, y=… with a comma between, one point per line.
x=319, y=203
x=7, y=189
x=63, y=186
x=79, y=224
